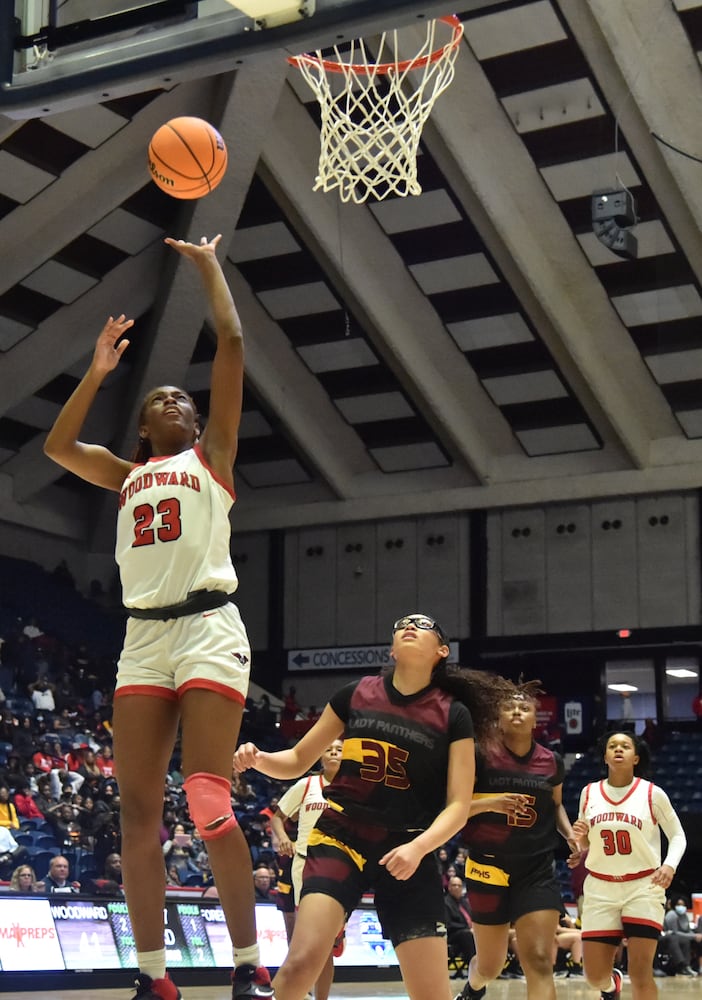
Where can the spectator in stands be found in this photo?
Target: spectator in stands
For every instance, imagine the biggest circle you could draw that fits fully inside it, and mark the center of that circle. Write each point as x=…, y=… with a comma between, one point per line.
x=65, y=694
x=11, y=853
x=262, y=885
x=24, y=803
x=44, y=799
x=265, y=717
x=74, y=757
x=290, y=708
x=459, y=933
x=87, y=819
x=201, y=681
x=678, y=938
x=63, y=722
x=107, y=824
x=65, y=784
x=179, y=852
x=12, y=773
x=30, y=775
x=110, y=882
x=173, y=877
x=23, y=738
x=176, y=775
x=105, y=761
x=242, y=792
x=24, y=880
x=62, y=817
x=44, y=759
x=8, y=813
x=57, y=880
x=89, y=767
x=442, y=860
x=41, y=692
x=450, y=873
x=460, y=862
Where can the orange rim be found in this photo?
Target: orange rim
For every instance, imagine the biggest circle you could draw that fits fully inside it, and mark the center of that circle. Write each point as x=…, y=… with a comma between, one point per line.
x=383, y=68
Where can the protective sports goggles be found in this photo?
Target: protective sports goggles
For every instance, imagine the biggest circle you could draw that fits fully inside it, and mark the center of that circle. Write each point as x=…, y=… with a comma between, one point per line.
x=421, y=621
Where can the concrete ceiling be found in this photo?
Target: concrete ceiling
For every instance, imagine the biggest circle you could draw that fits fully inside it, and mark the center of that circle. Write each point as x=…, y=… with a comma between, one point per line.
x=471, y=347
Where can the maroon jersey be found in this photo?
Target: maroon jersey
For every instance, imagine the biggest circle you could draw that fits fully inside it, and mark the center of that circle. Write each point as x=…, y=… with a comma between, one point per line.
x=498, y=771
x=396, y=749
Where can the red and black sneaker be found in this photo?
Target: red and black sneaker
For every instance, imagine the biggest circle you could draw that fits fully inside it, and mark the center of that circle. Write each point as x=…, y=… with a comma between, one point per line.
x=251, y=983
x=155, y=989
x=339, y=943
x=614, y=994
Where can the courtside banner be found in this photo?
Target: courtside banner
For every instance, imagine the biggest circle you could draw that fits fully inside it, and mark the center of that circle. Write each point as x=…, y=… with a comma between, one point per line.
x=69, y=933
x=367, y=658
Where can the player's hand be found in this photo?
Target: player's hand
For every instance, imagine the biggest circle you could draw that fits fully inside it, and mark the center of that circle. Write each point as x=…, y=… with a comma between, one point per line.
x=107, y=351
x=286, y=847
x=663, y=876
x=581, y=830
x=402, y=861
x=245, y=756
x=195, y=251
x=511, y=804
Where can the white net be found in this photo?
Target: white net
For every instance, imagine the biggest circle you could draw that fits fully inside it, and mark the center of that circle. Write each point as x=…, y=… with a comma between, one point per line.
x=374, y=106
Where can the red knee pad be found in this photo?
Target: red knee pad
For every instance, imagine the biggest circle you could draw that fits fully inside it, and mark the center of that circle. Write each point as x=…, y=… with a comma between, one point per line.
x=210, y=804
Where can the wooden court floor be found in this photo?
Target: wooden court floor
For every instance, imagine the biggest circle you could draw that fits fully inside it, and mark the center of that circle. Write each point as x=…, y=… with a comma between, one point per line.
x=567, y=989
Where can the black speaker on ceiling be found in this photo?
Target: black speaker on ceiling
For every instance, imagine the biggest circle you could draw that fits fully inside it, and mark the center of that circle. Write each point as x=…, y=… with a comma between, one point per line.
x=613, y=212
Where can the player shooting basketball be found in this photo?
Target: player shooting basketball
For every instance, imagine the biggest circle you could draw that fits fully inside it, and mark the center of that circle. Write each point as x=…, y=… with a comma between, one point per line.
x=186, y=654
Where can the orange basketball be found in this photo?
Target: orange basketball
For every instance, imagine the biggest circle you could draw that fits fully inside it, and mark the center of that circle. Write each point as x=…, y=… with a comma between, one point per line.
x=187, y=157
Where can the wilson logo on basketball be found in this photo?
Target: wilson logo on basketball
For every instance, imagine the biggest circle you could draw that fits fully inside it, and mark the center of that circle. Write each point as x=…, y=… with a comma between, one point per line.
x=161, y=178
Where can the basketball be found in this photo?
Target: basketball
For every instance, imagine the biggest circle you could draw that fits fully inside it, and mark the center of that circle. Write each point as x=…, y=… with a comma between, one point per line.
x=187, y=157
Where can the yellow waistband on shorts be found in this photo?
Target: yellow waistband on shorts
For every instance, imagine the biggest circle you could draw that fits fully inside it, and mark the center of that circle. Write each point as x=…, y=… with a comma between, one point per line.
x=487, y=874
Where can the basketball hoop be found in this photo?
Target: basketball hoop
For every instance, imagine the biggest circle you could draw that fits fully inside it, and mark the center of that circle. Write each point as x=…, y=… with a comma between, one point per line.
x=374, y=108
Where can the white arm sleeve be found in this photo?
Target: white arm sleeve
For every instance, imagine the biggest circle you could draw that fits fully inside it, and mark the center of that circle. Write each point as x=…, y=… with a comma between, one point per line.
x=671, y=826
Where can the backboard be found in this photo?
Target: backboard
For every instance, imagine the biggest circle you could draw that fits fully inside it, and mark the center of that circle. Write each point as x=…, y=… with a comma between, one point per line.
x=59, y=56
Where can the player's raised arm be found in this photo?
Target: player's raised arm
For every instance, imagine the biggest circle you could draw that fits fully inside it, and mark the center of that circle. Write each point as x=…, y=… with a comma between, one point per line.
x=94, y=463
x=219, y=441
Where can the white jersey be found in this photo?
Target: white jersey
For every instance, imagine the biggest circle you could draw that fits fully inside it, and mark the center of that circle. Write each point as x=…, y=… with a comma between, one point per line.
x=173, y=531
x=625, y=825
x=305, y=802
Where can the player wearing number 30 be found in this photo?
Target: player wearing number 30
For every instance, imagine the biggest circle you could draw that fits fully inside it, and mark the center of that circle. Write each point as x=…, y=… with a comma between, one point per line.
x=403, y=789
x=620, y=820
x=186, y=655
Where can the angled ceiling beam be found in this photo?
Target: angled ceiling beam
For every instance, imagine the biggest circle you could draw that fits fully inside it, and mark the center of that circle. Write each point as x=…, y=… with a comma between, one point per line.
x=291, y=392
x=508, y=201
x=69, y=335
x=92, y=187
x=371, y=277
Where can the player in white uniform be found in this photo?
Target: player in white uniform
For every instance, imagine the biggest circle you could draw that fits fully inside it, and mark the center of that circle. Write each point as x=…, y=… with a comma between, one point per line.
x=304, y=802
x=620, y=820
x=186, y=655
